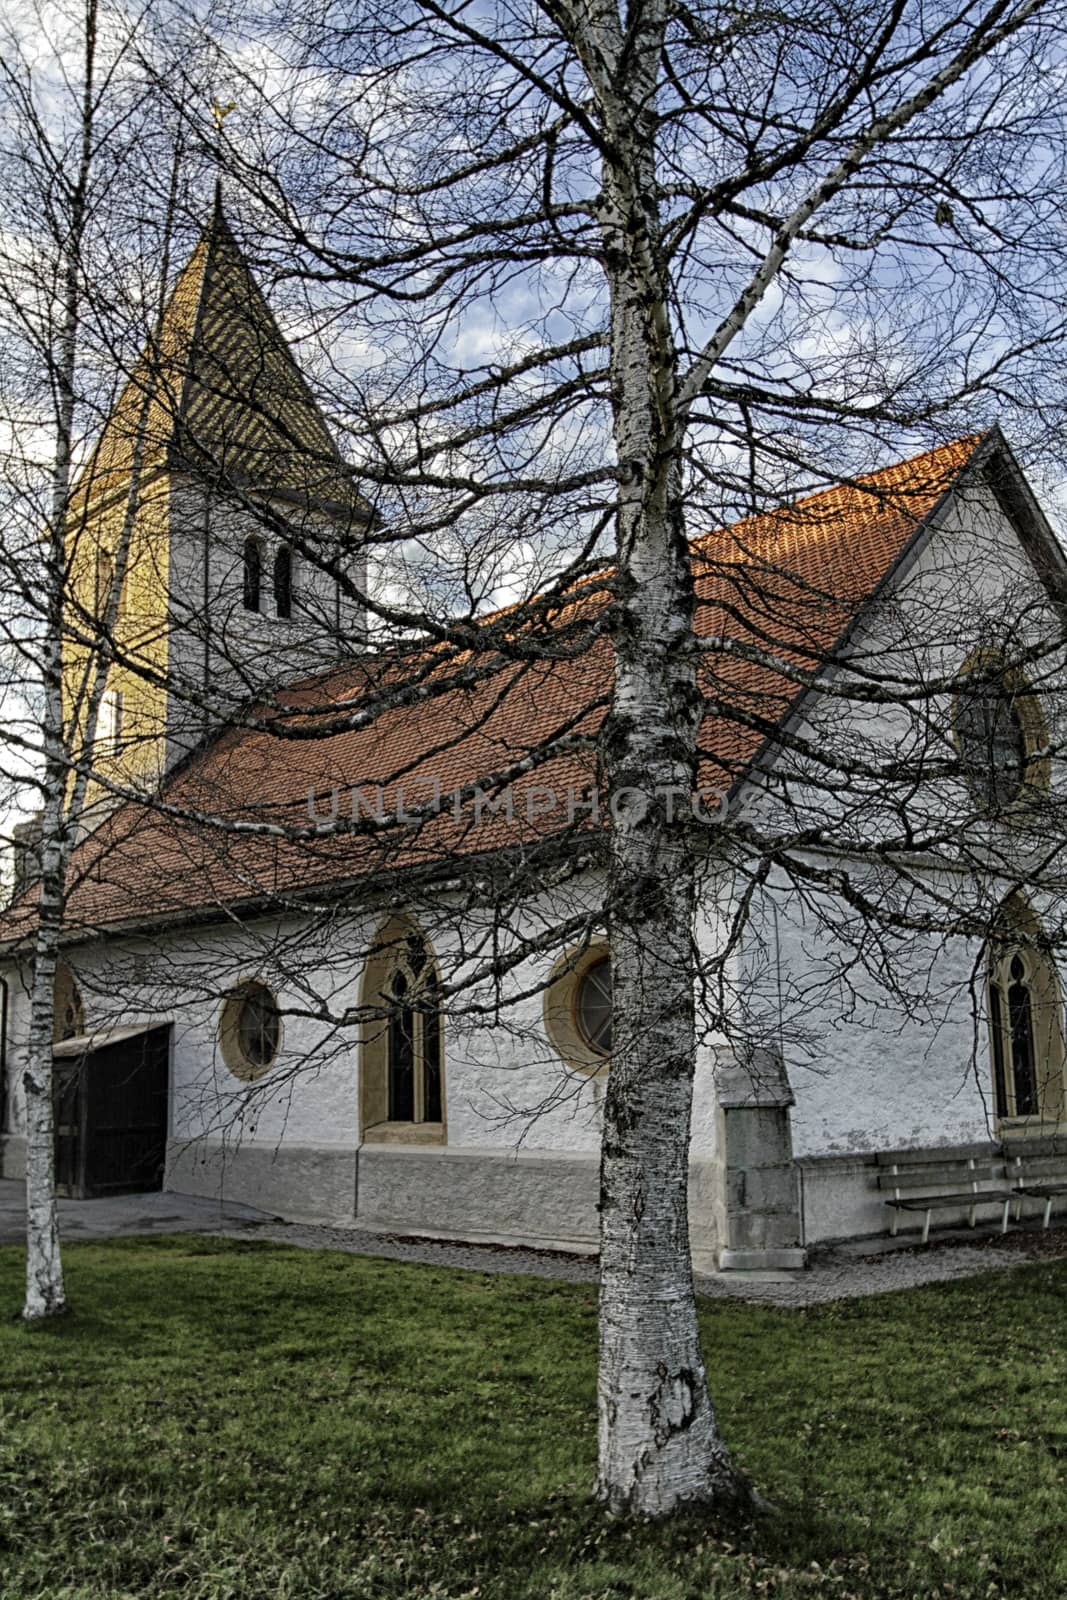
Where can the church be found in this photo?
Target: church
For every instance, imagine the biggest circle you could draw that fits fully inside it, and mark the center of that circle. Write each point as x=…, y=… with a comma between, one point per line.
x=335, y=941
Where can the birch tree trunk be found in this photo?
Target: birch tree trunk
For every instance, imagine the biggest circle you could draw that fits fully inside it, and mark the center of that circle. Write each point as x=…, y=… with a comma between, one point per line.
x=659, y=1444
x=45, y=1292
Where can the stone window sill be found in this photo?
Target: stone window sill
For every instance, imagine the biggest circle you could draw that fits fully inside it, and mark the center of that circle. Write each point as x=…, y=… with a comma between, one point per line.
x=1026, y=1127
x=405, y=1133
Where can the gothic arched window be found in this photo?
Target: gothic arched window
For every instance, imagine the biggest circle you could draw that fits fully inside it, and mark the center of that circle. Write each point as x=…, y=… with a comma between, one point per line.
x=283, y=581
x=992, y=745
x=402, y=1087
x=999, y=731
x=253, y=573
x=1026, y=1043
x=68, y=1006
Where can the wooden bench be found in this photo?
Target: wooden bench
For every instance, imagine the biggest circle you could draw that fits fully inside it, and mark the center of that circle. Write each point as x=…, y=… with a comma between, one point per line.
x=1038, y=1173
x=925, y=1181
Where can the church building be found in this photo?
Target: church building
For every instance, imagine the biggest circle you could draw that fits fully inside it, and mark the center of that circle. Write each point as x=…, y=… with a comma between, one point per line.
x=341, y=951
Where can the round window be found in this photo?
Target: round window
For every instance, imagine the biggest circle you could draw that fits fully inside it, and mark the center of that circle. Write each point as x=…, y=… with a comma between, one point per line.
x=251, y=1030
x=592, y=1005
x=992, y=743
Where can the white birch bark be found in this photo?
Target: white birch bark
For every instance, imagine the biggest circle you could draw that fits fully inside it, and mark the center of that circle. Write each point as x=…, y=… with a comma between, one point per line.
x=45, y=1291
x=659, y=1443
x=45, y=1295
x=70, y=728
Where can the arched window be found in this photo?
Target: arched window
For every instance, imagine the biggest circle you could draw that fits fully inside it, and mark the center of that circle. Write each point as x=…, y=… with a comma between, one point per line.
x=283, y=581
x=402, y=1076
x=68, y=1014
x=253, y=573
x=103, y=578
x=999, y=730
x=1026, y=1043
x=109, y=727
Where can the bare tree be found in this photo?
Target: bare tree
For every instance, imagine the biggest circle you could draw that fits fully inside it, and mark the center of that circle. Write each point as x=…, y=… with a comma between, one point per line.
x=75, y=131
x=703, y=260
x=741, y=248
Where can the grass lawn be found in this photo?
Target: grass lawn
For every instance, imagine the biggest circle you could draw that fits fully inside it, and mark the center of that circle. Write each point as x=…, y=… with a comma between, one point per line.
x=222, y=1419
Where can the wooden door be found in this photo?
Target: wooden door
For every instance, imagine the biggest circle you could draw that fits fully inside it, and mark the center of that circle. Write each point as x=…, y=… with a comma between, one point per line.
x=67, y=1111
x=127, y=1114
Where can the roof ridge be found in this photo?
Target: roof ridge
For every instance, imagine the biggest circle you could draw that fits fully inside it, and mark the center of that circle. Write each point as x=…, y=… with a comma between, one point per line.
x=586, y=585
x=864, y=484
x=216, y=222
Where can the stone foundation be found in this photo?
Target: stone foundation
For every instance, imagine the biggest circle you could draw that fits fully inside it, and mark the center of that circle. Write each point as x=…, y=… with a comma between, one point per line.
x=543, y=1199
x=841, y=1198
x=301, y=1183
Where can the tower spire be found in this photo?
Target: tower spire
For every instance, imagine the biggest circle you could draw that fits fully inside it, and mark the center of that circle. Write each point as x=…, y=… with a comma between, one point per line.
x=219, y=113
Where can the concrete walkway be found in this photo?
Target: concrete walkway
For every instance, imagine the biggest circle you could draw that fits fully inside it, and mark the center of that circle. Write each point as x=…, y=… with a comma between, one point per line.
x=840, y=1273
x=125, y=1214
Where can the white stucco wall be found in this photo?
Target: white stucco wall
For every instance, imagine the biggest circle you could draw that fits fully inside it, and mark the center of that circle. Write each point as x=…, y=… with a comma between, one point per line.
x=505, y=1084
x=878, y=1027
x=523, y=1127
x=219, y=652
x=870, y=1070
x=872, y=1066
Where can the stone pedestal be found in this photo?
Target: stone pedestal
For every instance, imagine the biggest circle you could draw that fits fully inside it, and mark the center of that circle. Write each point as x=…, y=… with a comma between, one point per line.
x=762, y=1196
x=12, y=1155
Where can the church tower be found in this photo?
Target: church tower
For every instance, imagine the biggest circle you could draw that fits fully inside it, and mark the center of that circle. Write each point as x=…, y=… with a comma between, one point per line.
x=241, y=518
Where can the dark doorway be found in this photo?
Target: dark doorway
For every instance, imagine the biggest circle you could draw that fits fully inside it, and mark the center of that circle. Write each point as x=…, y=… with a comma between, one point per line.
x=110, y=1098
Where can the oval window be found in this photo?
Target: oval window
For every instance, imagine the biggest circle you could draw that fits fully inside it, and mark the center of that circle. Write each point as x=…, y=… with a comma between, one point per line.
x=251, y=1030
x=592, y=1006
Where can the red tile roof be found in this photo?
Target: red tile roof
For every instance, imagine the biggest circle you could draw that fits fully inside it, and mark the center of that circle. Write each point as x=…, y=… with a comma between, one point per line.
x=789, y=582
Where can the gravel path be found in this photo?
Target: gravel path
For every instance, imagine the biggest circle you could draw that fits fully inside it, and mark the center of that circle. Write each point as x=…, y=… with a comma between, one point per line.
x=835, y=1274
x=839, y=1273
x=427, y=1252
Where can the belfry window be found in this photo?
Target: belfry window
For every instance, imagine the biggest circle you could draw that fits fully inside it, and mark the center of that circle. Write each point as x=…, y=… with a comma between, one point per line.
x=283, y=581
x=253, y=574
x=109, y=722
x=103, y=578
x=402, y=1089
